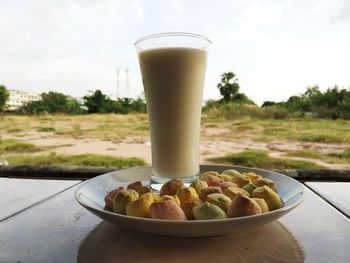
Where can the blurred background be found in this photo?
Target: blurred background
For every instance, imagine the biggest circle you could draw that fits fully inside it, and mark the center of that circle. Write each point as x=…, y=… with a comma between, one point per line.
x=276, y=93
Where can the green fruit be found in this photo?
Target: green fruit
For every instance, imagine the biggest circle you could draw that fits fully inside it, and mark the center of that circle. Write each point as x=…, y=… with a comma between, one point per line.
x=220, y=200
x=249, y=188
x=122, y=199
x=207, y=211
x=231, y=172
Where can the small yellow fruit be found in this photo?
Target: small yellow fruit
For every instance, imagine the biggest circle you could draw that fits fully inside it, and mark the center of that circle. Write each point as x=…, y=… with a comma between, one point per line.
x=174, y=198
x=272, y=199
x=225, y=177
x=198, y=185
x=267, y=182
x=188, y=206
x=261, y=202
x=232, y=192
x=186, y=194
x=156, y=197
x=205, y=175
x=207, y=191
x=226, y=185
x=252, y=176
x=170, y=187
x=140, y=207
x=241, y=180
x=142, y=190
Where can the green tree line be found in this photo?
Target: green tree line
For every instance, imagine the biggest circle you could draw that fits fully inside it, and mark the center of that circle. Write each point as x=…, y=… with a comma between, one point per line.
x=332, y=103
x=59, y=103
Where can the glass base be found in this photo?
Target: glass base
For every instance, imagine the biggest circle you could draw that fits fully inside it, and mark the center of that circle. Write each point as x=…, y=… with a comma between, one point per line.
x=157, y=182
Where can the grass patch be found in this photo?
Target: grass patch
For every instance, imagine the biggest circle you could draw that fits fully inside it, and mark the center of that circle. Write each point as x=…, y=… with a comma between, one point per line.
x=340, y=158
x=262, y=160
x=318, y=137
x=86, y=160
x=312, y=154
x=344, y=155
x=14, y=146
x=46, y=129
x=142, y=127
x=76, y=131
x=307, y=130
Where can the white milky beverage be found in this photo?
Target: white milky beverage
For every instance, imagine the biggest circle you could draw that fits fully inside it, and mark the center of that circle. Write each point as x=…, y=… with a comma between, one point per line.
x=173, y=81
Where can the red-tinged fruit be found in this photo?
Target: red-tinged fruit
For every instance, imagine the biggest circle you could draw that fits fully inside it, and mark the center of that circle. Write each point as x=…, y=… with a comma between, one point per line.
x=111, y=196
x=213, y=180
x=167, y=210
x=242, y=205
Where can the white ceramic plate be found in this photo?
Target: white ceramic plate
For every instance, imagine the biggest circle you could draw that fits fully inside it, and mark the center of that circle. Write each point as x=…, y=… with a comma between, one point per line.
x=91, y=193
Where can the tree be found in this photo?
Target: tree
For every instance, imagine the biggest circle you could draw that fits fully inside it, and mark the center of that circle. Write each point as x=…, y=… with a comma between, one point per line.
x=53, y=102
x=268, y=104
x=139, y=105
x=98, y=102
x=4, y=95
x=228, y=86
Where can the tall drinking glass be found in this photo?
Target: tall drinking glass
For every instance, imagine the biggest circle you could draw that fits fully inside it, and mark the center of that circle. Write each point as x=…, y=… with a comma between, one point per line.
x=173, y=70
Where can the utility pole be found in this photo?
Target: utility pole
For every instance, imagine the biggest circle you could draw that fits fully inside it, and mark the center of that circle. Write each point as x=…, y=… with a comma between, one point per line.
x=117, y=75
x=127, y=81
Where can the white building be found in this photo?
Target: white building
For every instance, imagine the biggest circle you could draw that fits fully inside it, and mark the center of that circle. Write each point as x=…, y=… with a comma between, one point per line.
x=18, y=98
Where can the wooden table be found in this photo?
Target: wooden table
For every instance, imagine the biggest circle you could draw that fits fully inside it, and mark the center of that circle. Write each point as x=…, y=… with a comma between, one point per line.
x=55, y=228
x=335, y=193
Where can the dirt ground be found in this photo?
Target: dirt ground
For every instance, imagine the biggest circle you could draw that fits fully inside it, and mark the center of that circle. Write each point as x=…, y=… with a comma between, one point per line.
x=214, y=143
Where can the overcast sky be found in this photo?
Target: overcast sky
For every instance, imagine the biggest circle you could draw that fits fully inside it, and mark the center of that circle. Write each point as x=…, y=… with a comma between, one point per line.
x=276, y=48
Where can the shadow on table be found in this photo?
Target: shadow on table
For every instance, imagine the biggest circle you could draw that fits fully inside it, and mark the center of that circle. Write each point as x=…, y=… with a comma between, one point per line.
x=269, y=243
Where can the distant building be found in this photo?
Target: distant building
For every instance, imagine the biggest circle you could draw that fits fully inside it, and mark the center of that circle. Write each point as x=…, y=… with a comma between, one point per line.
x=18, y=98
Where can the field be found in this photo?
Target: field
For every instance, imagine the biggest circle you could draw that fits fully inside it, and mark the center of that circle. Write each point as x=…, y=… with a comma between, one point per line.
x=123, y=140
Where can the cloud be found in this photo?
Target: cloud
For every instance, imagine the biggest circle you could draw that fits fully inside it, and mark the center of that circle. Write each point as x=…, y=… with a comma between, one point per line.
x=344, y=12
x=248, y=25
x=75, y=45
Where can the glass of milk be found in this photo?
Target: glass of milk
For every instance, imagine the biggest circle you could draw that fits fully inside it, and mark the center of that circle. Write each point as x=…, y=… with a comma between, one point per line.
x=173, y=69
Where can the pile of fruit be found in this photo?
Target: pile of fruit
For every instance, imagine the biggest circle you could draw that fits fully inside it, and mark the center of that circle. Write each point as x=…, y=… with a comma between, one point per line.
x=211, y=196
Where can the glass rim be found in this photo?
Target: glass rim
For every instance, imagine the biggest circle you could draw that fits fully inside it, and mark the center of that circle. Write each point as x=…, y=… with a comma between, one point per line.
x=172, y=34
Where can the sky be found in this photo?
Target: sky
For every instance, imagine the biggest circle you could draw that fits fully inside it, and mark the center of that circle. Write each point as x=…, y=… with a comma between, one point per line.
x=276, y=48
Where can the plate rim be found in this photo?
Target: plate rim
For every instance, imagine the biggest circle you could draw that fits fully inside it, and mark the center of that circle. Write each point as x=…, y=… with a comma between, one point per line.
x=285, y=208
